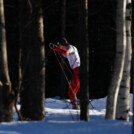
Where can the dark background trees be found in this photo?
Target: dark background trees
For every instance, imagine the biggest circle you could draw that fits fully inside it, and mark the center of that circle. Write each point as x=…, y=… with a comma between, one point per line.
x=61, y=18
x=24, y=24
x=84, y=69
x=32, y=59
x=6, y=93
x=101, y=41
x=101, y=33
x=12, y=36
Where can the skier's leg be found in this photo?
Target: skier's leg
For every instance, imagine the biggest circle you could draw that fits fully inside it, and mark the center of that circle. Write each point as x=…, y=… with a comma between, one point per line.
x=76, y=72
x=71, y=90
x=74, y=86
x=72, y=95
x=76, y=89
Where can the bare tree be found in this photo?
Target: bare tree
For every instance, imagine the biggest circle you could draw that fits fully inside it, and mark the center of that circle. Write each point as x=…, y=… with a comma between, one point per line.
x=63, y=34
x=84, y=73
x=119, y=60
x=123, y=107
x=33, y=56
x=6, y=100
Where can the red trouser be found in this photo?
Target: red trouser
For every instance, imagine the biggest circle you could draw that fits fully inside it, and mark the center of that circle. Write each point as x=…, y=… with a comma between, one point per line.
x=75, y=84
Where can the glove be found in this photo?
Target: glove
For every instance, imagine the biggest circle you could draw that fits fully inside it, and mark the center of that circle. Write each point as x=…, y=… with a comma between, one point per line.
x=51, y=45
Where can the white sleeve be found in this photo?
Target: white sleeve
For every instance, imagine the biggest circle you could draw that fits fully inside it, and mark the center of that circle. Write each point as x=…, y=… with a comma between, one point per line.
x=70, y=49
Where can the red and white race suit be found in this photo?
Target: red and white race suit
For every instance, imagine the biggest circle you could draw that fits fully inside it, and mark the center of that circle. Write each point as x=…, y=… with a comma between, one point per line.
x=71, y=53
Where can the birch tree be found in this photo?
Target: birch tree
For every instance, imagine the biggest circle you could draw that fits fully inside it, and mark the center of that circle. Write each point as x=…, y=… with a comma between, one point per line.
x=6, y=100
x=119, y=60
x=123, y=107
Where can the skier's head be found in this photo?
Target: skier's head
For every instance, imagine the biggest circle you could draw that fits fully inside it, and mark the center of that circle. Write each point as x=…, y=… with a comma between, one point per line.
x=63, y=41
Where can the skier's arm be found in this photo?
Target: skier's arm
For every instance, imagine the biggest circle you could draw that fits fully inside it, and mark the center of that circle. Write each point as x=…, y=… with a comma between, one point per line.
x=63, y=52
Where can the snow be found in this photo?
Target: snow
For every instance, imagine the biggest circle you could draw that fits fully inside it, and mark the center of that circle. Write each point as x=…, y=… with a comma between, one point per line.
x=62, y=119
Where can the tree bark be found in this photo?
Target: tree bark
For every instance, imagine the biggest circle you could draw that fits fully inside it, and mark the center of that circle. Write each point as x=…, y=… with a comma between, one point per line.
x=62, y=34
x=84, y=71
x=33, y=57
x=133, y=58
x=123, y=97
x=6, y=100
x=119, y=60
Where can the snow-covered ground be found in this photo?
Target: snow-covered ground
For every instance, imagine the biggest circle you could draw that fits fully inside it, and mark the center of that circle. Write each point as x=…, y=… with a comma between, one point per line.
x=62, y=119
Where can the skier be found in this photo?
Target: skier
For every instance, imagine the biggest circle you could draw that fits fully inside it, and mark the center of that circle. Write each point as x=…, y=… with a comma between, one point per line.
x=71, y=53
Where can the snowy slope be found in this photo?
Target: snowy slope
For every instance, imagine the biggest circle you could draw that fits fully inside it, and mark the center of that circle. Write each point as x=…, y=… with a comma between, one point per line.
x=62, y=119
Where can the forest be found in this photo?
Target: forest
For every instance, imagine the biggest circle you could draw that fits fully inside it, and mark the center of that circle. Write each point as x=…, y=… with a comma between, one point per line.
x=101, y=30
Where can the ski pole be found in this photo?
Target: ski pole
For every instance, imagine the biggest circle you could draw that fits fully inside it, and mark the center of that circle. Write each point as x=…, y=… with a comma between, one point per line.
x=66, y=77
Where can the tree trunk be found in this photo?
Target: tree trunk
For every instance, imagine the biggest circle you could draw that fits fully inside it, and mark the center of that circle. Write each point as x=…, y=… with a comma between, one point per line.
x=33, y=56
x=6, y=101
x=123, y=97
x=63, y=31
x=119, y=60
x=133, y=59
x=84, y=72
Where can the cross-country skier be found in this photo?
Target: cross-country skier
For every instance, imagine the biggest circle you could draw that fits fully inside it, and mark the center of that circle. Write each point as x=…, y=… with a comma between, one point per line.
x=71, y=53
